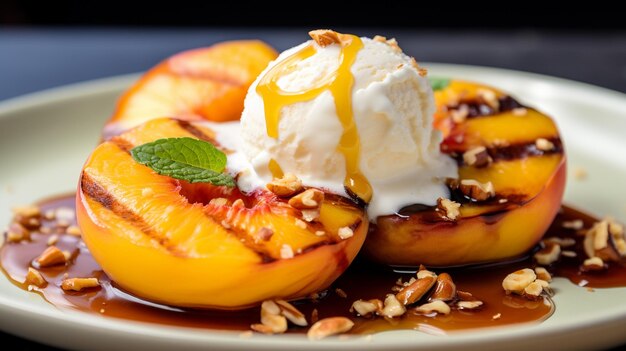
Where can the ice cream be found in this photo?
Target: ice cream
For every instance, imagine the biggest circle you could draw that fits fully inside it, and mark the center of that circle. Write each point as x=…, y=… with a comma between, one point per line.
x=351, y=115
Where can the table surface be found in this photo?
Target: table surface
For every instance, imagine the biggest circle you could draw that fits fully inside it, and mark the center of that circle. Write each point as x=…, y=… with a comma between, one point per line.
x=42, y=58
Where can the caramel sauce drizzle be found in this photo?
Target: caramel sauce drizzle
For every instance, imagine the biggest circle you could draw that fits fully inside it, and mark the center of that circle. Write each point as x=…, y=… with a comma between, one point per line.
x=339, y=83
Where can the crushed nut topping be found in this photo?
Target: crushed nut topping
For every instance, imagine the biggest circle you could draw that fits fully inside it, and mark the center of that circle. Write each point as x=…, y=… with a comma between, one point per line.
x=544, y=144
x=477, y=157
x=563, y=242
x=308, y=199
x=345, y=232
x=34, y=277
x=469, y=305
x=519, y=111
x=459, y=115
x=291, y=313
x=325, y=37
x=286, y=186
x=392, y=307
x=415, y=291
x=286, y=252
x=310, y=215
x=341, y=293
x=449, y=208
x=489, y=97
x=576, y=224
x=52, y=240
x=73, y=230
x=51, y=256
x=477, y=190
x=79, y=284
x=568, y=253
x=435, y=306
x=549, y=254
x=367, y=308
x=329, y=326
x=605, y=239
x=445, y=289
x=543, y=274
x=17, y=232
x=593, y=264
x=272, y=321
x=264, y=234
x=517, y=281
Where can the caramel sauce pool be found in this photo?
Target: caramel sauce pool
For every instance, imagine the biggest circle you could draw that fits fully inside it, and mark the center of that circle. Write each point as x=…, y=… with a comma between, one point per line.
x=361, y=281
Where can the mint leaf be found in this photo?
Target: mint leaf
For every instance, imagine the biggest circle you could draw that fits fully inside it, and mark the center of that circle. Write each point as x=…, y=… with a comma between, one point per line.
x=189, y=159
x=438, y=83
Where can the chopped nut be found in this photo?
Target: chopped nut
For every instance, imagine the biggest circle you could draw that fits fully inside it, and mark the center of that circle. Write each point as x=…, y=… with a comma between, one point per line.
x=264, y=234
x=544, y=144
x=366, y=308
x=33, y=277
x=449, y=207
x=218, y=201
x=496, y=316
x=345, y=233
x=79, y=284
x=490, y=98
x=53, y=239
x=543, y=274
x=291, y=313
x=568, y=253
x=549, y=254
x=329, y=326
x=286, y=252
x=469, y=305
x=517, y=281
x=477, y=190
x=606, y=240
x=308, y=199
x=64, y=213
x=262, y=328
x=435, y=306
x=300, y=223
x=423, y=273
x=576, y=224
x=593, y=264
x=459, y=115
x=415, y=291
x=286, y=186
x=519, y=111
x=341, y=293
x=271, y=317
x=325, y=37
x=51, y=256
x=17, y=233
x=477, y=157
x=393, y=307
x=62, y=223
x=26, y=211
x=445, y=289
x=310, y=215
x=533, y=289
x=320, y=233
x=73, y=230
x=563, y=242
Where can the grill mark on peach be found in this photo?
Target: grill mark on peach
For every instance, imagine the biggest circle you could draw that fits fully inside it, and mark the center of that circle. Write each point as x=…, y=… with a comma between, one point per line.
x=514, y=151
x=122, y=144
x=477, y=108
x=99, y=194
x=215, y=76
x=197, y=132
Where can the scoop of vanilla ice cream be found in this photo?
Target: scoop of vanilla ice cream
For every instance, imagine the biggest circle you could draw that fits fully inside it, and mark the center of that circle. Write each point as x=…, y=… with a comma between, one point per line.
x=392, y=106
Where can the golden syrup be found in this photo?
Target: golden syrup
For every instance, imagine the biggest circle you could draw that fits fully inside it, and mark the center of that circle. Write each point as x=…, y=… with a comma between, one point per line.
x=339, y=83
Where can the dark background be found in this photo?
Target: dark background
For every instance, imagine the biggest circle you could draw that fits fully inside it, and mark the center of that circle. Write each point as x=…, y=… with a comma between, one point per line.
x=44, y=44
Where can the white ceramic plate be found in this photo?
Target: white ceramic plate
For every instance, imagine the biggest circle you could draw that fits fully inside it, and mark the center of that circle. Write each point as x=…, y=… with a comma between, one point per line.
x=45, y=137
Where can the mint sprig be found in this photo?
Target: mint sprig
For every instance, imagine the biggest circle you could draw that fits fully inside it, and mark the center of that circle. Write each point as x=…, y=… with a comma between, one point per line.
x=438, y=83
x=189, y=159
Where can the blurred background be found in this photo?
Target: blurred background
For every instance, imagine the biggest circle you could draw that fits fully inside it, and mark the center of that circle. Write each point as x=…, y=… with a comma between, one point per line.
x=51, y=43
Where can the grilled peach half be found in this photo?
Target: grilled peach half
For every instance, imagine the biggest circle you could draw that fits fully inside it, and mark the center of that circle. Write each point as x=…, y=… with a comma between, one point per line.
x=496, y=141
x=199, y=245
x=207, y=83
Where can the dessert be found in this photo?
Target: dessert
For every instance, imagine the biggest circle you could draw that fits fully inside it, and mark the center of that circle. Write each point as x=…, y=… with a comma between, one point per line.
x=204, y=222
